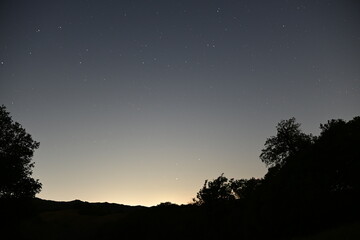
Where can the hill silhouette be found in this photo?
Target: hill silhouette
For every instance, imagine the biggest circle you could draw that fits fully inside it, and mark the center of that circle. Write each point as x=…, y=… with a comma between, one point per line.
x=44, y=219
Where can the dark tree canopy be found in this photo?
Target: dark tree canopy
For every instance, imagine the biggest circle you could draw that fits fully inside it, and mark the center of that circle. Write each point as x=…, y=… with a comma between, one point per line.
x=16, y=152
x=243, y=188
x=288, y=140
x=312, y=183
x=339, y=141
x=222, y=189
x=215, y=191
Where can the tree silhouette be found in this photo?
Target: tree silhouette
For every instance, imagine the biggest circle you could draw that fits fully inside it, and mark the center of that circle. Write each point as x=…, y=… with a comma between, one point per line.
x=243, y=188
x=312, y=184
x=339, y=141
x=16, y=151
x=215, y=191
x=317, y=186
x=288, y=140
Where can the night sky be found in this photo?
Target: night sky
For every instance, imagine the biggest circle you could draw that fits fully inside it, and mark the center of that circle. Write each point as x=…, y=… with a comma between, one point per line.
x=138, y=102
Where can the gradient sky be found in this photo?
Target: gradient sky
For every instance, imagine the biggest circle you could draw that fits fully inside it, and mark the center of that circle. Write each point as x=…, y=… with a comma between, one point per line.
x=138, y=102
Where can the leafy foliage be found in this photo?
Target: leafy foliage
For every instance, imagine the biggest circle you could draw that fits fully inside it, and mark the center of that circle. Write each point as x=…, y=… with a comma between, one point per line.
x=215, y=191
x=329, y=165
x=318, y=185
x=288, y=141
x=243, y=188
x=222, y=189
x=16, y=152
x=312, y=183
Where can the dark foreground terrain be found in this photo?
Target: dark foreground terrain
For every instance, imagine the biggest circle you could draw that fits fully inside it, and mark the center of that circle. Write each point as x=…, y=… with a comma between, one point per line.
x=42, y=219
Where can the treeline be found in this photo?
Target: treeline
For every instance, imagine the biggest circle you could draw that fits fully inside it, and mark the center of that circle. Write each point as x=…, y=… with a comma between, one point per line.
x=312, y=183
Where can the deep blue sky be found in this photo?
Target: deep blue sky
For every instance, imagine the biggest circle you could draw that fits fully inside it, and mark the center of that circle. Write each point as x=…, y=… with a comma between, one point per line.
x=138, y=102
